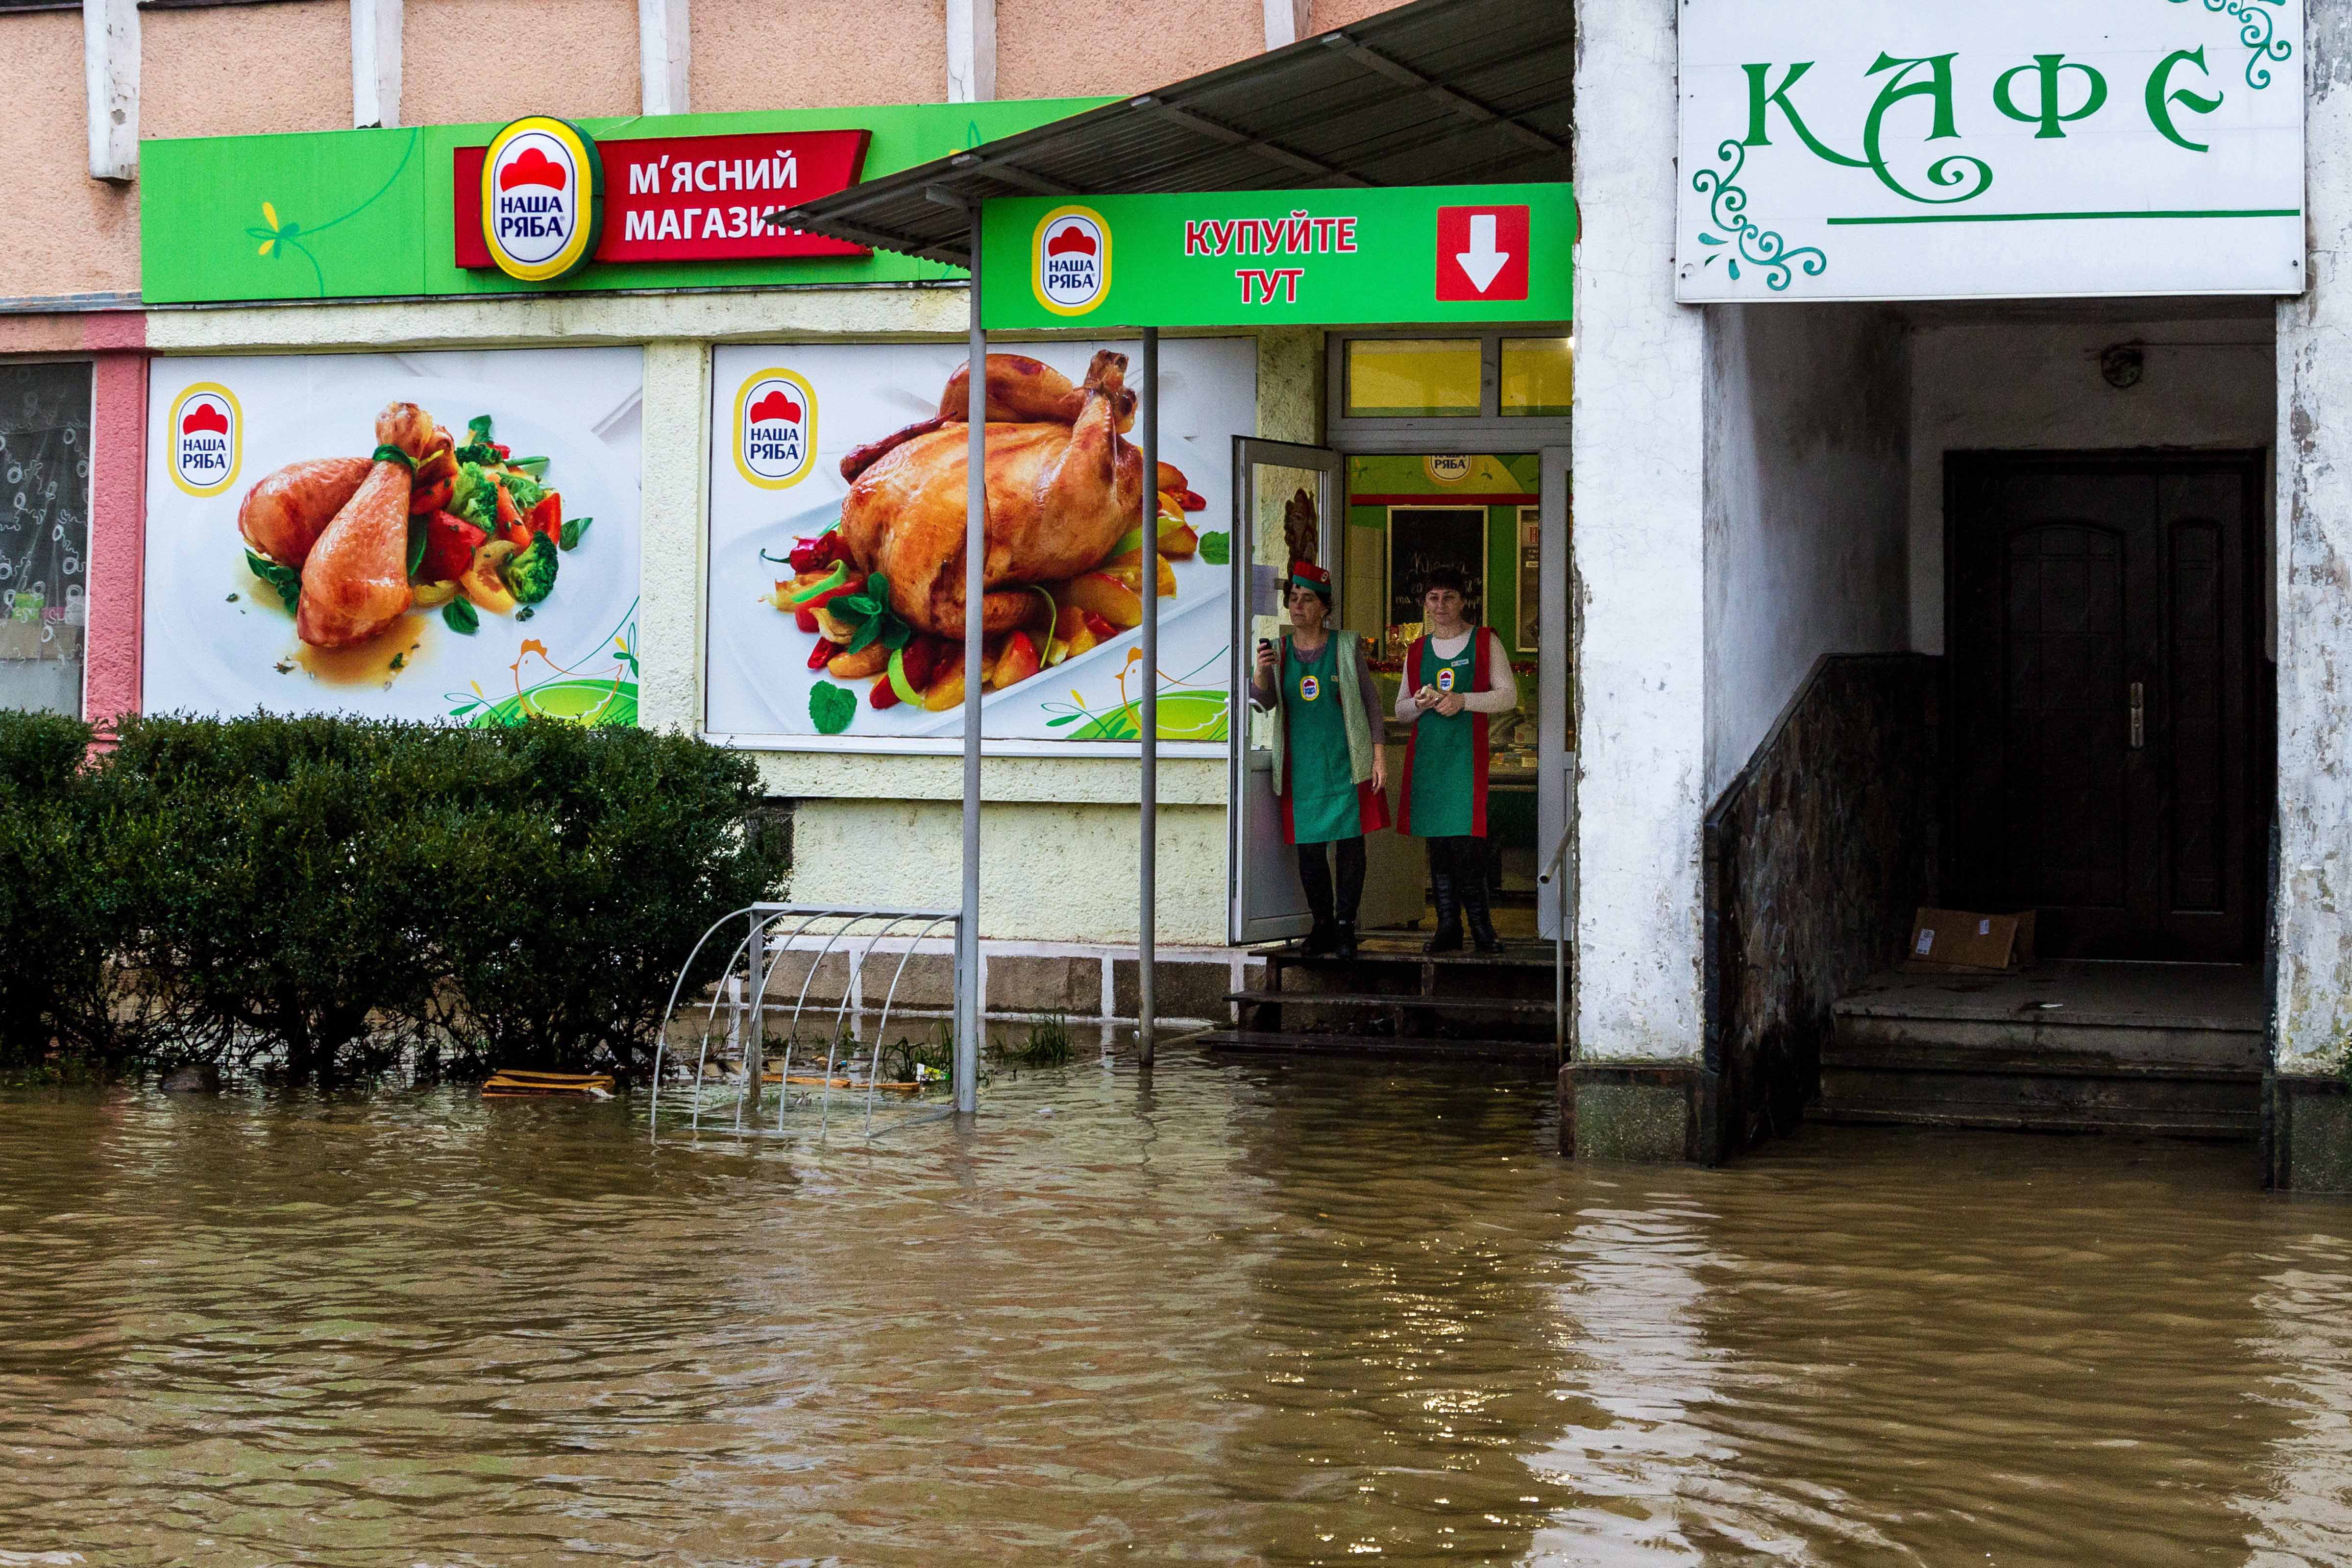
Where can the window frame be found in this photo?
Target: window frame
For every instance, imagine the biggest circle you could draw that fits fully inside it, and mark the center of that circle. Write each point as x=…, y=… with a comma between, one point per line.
x=1489, y=430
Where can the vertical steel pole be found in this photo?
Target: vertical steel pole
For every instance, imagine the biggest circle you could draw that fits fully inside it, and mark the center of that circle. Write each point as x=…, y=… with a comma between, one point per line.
x=969, y=1000
x=755, y=1026
x=1146, y=1016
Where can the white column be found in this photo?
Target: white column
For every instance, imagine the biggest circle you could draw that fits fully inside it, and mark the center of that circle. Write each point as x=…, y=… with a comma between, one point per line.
x=2312, y=938
x=1288, y=21
x=972, y=51
x=109, y=63
x=664, y=55
x=1639, y=556
x=375, y=63
x=671, y=509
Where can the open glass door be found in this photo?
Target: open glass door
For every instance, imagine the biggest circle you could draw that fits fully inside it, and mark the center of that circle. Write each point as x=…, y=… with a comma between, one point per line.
x=1285, y=503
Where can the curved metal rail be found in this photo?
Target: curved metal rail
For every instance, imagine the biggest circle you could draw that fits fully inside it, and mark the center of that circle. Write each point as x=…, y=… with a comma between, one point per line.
x=750, y=973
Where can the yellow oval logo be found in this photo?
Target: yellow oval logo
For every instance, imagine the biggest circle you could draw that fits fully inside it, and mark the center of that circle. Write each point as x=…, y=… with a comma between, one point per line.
x=542, y=198
x=207, y=435
x=1069, y=260
x=775, y=429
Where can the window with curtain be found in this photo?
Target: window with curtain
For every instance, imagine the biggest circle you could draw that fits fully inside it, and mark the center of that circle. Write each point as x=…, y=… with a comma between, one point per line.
x=44, y=533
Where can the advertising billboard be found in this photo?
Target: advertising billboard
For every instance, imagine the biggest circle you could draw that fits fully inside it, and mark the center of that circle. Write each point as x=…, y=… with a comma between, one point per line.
x=837, y=485
x=447, y=536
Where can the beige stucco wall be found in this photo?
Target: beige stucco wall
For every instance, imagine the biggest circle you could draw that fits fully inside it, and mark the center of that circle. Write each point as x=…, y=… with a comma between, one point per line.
x=578, y=57
x=814, y=54
x=245, y=70
x=61, y=232
x=1060, y=49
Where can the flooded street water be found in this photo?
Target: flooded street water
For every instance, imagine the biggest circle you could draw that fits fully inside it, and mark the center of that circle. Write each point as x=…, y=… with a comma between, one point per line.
x=1237, y=1313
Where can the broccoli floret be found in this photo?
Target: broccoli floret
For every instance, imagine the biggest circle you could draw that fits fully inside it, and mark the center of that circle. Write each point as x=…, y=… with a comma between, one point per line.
x=474, y=497
x=531, y=575
x=526, y=491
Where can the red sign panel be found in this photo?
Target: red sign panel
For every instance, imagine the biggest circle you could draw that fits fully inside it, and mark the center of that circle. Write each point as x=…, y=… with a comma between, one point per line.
x=696, y=198
x=1482, y=253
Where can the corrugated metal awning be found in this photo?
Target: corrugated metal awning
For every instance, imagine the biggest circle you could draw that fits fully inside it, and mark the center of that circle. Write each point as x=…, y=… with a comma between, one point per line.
x=1438, y=92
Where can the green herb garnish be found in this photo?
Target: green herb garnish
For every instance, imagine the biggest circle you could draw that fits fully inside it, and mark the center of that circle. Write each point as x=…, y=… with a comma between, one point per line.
x=416, y=526
x=459, y=616
x=868, y=615
x=391, y=454
x=285, y=579
x=574, y=527
x=831, y=707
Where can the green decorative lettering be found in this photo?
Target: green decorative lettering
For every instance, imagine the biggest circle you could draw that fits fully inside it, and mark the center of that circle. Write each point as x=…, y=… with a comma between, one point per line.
x=2162, y=95
x=1937, y=88
x=2051, y=114
x=1760, y=102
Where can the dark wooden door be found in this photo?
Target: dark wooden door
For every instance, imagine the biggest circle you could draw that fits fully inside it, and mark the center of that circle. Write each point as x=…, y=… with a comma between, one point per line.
x=2100, y=609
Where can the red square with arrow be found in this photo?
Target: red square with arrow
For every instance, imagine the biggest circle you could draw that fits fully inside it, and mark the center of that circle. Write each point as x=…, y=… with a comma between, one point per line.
x=1482, y=253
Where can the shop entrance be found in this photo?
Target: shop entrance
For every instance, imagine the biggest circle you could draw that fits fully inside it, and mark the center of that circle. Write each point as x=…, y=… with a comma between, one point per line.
x=2104, y=612
x=1447, y=451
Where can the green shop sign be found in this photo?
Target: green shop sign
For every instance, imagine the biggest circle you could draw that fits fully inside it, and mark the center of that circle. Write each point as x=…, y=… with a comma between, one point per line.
x=1249, y=258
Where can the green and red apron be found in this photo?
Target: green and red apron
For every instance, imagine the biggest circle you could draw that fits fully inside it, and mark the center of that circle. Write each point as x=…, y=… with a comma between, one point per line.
x=1445, y=793
x=1319, y=803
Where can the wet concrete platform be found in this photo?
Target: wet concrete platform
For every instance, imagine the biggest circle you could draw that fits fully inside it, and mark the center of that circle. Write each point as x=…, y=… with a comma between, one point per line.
x=2064, y=1046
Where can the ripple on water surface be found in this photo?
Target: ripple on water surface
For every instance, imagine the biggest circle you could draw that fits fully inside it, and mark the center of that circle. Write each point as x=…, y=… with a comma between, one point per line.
x=1233, y=1313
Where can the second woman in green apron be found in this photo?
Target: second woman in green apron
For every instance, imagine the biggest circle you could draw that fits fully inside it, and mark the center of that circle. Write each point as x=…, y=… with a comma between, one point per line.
x=1456, y=676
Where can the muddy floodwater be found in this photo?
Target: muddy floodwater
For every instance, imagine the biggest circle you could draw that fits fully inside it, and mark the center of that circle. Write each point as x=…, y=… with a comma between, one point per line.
x=1232, y=1312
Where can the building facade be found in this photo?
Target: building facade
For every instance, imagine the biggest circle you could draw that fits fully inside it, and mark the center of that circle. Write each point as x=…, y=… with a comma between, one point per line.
x=1892, y=585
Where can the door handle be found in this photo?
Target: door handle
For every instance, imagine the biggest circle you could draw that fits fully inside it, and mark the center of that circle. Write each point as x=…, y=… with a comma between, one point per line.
x=2138, y=715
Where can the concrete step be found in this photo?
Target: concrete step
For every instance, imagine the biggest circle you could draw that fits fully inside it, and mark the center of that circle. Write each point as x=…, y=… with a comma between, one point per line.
x=2169, y=1049
x=1536, y=1057
x=1542, y=1009
x=1396, y=1014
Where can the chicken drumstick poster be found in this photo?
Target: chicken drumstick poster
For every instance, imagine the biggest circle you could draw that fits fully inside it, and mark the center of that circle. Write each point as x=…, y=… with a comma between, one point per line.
x=838, y=478
x=448, y=536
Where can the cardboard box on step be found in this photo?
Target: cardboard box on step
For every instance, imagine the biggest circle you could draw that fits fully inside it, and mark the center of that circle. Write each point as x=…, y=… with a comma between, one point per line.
x=1961, y=941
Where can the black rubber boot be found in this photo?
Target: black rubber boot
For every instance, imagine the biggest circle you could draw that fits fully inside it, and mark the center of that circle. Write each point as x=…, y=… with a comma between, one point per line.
x=1314, y=878
x=1447, y=937
x=1343, y=943
x=1474, y=903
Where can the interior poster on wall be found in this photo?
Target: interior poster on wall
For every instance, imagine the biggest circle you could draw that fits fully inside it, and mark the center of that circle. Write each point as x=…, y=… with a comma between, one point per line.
x=445, y=536
x=837, y=484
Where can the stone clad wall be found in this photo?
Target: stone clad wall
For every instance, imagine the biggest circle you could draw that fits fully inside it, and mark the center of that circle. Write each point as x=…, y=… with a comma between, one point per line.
x=1817, y=855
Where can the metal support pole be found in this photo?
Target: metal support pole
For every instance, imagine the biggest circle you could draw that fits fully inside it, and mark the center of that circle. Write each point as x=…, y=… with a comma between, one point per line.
x=1147, y=1014
x=755, y=1026
x=969, y=1001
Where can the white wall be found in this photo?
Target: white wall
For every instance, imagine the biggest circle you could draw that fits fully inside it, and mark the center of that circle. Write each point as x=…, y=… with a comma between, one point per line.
x=1807, y=420
x=1639, y=556
x=2026, y=384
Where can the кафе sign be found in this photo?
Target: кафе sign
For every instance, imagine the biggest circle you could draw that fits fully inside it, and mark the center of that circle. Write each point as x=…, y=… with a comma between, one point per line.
x=1333, y=258
x=1854, y=150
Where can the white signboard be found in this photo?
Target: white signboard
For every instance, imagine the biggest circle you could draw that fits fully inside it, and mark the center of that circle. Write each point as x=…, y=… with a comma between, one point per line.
x=1988, y=149
x=484, y=573
x=831, y=466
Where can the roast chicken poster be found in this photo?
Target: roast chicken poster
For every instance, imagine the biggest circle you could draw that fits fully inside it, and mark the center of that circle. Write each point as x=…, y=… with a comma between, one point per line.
x=838, y=480
x=449, y=536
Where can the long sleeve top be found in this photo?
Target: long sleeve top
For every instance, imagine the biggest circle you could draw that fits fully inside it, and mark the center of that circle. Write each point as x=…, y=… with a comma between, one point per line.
x=1262, y=698
x=1501, y=697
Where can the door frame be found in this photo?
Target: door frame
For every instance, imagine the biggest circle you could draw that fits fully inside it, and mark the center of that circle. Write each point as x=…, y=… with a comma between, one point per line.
x=2257, y=769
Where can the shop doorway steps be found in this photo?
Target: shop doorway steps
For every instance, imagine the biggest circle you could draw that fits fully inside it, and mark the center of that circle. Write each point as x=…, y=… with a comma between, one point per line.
x=2171, y=1048
x=1393, y=1000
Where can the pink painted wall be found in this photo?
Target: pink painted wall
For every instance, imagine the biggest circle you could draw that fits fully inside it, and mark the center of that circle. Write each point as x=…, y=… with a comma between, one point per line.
x=829, y=52
x=1331, y=14
x=118, y=516
x=463, y=60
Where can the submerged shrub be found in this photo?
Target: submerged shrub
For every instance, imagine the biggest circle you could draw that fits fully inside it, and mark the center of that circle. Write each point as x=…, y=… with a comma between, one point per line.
x=320, y=890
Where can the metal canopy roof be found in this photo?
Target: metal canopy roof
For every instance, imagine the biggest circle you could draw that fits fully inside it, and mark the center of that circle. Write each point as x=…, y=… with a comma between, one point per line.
x=1438, y=92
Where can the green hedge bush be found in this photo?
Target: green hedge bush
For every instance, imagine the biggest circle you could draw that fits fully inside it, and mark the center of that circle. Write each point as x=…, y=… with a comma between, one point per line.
x=324, y=893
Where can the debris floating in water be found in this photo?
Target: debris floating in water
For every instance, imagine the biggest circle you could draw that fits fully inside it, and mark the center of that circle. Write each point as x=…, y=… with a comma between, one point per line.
x=510, y=1083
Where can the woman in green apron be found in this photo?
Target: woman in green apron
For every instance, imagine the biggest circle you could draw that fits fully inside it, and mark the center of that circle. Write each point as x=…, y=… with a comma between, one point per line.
x=1456, y=676
x=1330, y=768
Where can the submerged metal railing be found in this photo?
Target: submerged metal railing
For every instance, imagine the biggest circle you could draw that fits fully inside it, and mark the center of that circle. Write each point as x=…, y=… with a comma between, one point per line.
x=770, y=932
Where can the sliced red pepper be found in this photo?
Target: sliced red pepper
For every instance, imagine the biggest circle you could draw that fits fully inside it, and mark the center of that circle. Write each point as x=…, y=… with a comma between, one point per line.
x=804, y=619
x=546, y=516
x=1195, y=501
x=884, y=694
x=507, y=514
x=826, y=648
x=449, y=545
x=502, y=450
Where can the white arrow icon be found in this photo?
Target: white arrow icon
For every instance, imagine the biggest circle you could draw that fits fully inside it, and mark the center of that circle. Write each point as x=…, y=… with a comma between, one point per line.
x=1482, y=260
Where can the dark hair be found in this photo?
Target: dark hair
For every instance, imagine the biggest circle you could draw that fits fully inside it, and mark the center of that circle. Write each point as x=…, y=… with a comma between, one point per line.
x=1438, y=577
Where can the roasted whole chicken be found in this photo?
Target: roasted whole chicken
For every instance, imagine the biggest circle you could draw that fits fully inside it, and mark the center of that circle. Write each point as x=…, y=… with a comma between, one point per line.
x=355, y=578
x=1063, y=487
